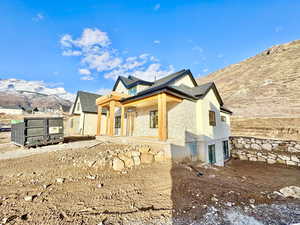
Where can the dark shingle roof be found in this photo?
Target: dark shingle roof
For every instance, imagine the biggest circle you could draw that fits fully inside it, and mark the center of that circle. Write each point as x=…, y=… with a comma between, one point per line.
x=87, y=101
x=131, y=81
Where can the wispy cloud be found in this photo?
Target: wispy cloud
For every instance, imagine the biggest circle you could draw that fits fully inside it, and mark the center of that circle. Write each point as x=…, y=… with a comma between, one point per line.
x=157, y=42
x=103, y=91
x=96, y=54
x=197, y=48
x=157, y=7
x=278, y=29
x=205, y=70
x=38, y=17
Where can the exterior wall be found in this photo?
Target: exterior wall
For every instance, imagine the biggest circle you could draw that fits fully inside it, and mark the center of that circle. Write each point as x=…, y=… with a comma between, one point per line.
x=89, y=126
x=182, y=121
x=142, y=122
x=11, y=111
x=266, y=150
x=121, y=88
x=76, y=111
x=141, y=87
x=186, y=80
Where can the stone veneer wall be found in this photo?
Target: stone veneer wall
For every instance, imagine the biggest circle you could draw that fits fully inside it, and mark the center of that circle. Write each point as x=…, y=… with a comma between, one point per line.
x=265, y=150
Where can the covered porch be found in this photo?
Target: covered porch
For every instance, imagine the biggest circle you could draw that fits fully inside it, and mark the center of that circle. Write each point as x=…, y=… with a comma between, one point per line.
x=123, y=115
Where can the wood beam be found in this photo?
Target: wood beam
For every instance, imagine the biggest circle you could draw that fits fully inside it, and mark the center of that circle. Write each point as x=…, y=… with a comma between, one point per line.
x=111, y=118
x=122, y=121
x=162, y=117
x=99, y=120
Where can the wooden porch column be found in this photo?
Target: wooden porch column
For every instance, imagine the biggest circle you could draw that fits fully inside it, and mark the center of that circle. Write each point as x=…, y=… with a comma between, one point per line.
x=99, y=121
x=162, y=117
x=111, y=130
x=122, y=121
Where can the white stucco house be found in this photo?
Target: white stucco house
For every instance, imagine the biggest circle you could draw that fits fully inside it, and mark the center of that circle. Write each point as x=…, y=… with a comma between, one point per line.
x=191, y=118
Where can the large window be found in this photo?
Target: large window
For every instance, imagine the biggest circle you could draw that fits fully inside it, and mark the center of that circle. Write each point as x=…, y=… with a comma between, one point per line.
x=118, y=122
x=133, y=90
x=212, y=154
x=225, y=150
x=154, y=119
x=212, y=118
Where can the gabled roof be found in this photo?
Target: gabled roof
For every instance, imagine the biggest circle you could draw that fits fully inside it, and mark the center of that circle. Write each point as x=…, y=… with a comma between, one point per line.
x=131, y=81
x=87, y=101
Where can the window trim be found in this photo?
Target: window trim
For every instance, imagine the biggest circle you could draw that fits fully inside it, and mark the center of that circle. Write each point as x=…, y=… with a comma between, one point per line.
x=223, y=118
x=118, y=122
x=226, y=156
x=214, y=150
x=155, y=114
x=212, y=118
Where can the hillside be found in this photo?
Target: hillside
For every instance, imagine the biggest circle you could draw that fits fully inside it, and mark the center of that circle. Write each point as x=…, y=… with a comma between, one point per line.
x=33, y=93
x=266, y=85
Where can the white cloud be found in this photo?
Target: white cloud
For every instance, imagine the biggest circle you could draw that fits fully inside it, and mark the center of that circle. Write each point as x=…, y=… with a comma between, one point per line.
x=38, y=17
x=278, y=29
x=84, y=71
x=197, y=48
x=97, y=54
x=156, y=42
x=157, y=7
x=205, y=70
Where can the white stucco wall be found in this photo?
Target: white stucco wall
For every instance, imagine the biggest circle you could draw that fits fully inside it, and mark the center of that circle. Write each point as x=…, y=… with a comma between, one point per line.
x=76, y=111
x=121, y=88
x=11, y=111
x=186, y=80
x=142, y=122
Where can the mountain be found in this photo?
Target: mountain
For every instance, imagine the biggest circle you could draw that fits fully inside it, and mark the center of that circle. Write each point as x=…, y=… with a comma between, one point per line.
x=266, y=85
x=34, y=94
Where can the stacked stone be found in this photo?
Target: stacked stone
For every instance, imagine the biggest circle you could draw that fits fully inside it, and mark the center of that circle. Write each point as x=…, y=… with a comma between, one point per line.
x=266, y=150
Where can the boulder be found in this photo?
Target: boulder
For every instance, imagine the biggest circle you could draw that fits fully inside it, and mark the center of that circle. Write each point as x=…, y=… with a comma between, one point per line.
x=127, y=160
x=159, y=157
x=271, y=161
x=100, y=163
x=284, y=157
x=290, y=191
x=291, y=163
x=144, y=149
x=295, y=158
x=255, y=146
x=118, y=164
x=147, y=158
x=135, y=153
x=136, y=160
x=267, y=146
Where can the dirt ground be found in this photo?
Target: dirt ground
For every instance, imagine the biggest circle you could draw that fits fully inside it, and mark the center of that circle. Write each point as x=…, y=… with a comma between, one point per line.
x=161, y=193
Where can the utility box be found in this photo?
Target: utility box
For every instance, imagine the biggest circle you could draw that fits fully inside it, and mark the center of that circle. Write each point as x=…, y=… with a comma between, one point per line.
x=35, y=131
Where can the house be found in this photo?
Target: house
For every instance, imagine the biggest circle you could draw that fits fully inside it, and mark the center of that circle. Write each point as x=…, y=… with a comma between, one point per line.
x=83, y=115
x=13, y=110
x=191, y=118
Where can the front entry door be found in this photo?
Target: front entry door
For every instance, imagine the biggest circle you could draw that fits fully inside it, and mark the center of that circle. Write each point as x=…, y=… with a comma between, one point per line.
x=130, y=123
x=212, y=154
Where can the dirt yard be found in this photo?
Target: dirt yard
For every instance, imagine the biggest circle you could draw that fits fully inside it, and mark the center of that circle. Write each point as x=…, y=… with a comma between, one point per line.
x=63, y=187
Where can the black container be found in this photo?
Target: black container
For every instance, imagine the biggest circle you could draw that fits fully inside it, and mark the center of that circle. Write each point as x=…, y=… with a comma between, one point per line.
x=35, y=131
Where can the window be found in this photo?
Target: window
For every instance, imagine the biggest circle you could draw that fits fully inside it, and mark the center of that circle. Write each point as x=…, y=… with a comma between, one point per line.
x=212, y=118
x=118, y=122
x=154, y=119
x=225, y=150
x=223, y=118
x=132, y=91
x=212, y=154
x=78, y=106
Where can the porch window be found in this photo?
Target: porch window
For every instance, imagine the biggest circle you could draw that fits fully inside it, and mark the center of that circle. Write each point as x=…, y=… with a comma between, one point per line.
x=132, y=91
x=118, y=122
x=225, y=150
x=212, y=118
x=154, y=119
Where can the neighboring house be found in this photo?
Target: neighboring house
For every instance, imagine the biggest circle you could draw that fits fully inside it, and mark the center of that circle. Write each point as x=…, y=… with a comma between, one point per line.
x=83, y=115
x=173, y=109
x=13, y=110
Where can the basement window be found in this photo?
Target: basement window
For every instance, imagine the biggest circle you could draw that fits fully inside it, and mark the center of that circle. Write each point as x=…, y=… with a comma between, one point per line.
x=212, y=118
x=226, y=150
x=154, y=119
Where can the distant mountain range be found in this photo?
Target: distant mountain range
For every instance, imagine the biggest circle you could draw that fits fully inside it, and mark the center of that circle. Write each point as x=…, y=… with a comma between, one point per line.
x=34, y=94
x=266, y=85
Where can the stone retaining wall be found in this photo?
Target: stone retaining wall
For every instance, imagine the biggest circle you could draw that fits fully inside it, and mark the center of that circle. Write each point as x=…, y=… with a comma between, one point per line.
x=265, y=150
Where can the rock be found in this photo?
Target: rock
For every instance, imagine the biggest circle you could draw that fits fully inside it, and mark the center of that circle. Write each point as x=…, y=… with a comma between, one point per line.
x=9, y=219
x=252, y=201
x=147, y=158
x=136, y=160
x=261, y=159
x=91, y=177
x=243, y=157
x=297, y=146
x=291, y=163
x=252, y=158
x=159, y=157
x=127, y=161
x=284, y=157
x=101, y=163
x=100, y=185
x=295, y=158
x=214, y=199
x=255, y=146
x=28, y=198
x=239, y=146
x=118, y=164
x=60, y=180
x=290, y=191
x=135, y=153
x=144, y=149
x=271, y=161
x=267, y=146
x=281, y=161
x=247, y=146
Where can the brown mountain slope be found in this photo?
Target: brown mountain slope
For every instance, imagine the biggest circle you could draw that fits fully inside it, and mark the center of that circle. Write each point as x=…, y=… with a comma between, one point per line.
x=266, y=85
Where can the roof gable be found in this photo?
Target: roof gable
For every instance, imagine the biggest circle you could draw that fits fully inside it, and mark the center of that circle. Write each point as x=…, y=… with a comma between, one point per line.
x=130, y=82
x=87, y=102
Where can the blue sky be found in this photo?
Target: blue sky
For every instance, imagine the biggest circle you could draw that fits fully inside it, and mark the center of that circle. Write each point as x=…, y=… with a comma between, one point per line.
x=84, y=45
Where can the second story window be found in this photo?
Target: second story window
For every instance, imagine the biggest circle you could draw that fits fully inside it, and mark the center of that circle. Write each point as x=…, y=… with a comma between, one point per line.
x=132, y=91
x=212, y=118
x=78, y=106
